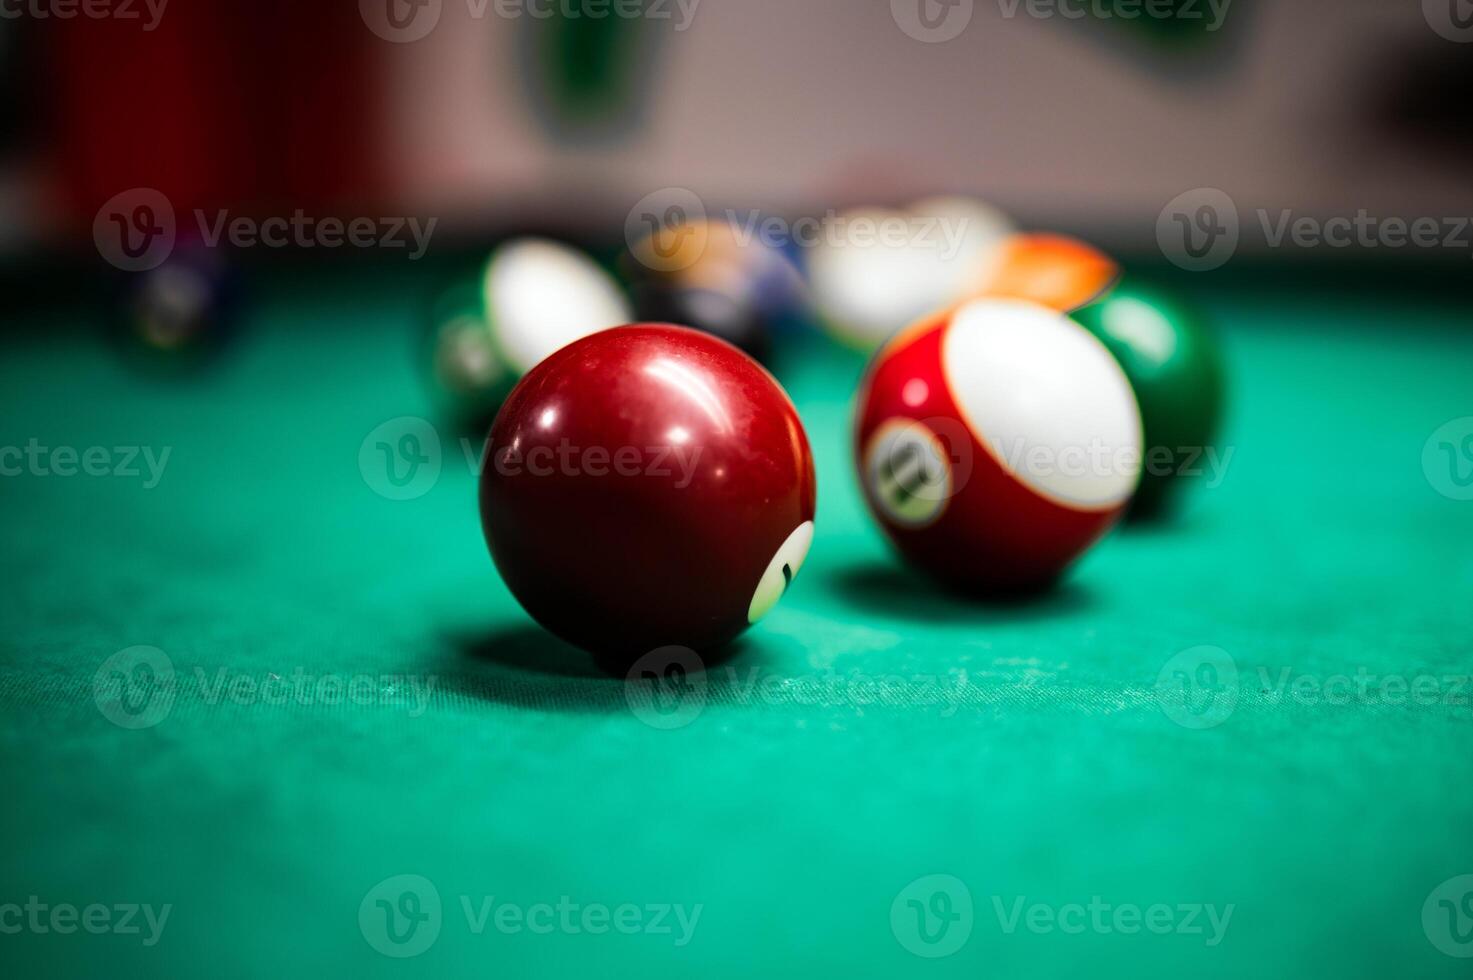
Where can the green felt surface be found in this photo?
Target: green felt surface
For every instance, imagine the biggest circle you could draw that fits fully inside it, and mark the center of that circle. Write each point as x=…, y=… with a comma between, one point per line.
x=824, y=772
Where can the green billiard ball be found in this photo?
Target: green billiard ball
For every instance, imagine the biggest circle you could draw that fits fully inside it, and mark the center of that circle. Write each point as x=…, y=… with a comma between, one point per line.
x=1169, y=354
x=467, y=375
x=530, y=298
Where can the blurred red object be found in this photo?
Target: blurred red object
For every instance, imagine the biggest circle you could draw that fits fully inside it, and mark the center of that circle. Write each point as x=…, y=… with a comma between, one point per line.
x=259, y=108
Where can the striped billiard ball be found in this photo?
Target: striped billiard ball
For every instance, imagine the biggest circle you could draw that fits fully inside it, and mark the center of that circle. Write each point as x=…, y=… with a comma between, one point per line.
x=1057, y=271
x=996, y=442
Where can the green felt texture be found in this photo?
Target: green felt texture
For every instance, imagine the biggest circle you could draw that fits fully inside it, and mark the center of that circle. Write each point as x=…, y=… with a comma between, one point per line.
x=793, y=812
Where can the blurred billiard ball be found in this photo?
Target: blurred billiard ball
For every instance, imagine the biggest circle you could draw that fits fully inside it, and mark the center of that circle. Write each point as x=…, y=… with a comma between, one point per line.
x=1060, y=272
x=877, y=270
x=468, y=376
x=1168, y=352
x=729, y=315
x=180, y=314
x=531, y=297
x=645, y=487
x=709, y=276
x=995, y=443
x=540, y=295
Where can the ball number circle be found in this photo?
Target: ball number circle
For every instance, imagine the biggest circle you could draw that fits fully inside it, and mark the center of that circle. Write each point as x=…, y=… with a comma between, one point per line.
x=780, y=572
x=646, y=487
x=1038, y=413
x=908, y=472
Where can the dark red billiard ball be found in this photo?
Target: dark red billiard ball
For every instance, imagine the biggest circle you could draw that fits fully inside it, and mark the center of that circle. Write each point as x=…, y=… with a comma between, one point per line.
x=647, y=486
x=996, y=442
